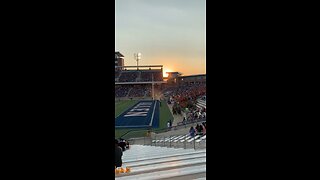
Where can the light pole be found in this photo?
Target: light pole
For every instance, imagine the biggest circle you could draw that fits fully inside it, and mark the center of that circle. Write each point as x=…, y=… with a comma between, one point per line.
x=137, y=57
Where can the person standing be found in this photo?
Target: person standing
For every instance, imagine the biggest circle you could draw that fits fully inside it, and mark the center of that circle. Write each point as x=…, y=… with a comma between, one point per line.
x=192, y=131
x=118, y=154
x=122, y=144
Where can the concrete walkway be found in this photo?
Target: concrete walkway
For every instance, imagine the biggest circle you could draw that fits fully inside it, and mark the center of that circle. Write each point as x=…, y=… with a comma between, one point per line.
x=176, y=117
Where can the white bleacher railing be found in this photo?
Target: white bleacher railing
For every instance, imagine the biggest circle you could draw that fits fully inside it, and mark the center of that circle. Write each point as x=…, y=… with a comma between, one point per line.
x=179, y=141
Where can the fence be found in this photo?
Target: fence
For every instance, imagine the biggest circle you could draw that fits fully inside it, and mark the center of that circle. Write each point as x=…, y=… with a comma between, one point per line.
x=173, y=141
x=145, y=132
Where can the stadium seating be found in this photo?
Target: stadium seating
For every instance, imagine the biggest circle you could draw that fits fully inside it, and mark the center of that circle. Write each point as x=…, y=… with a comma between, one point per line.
x=128, y=76
x=201, y=103
x=149, y=162
x=147, y=76
x=139, y=91
x=122, y=91
x=136, y=76
x=179, y=141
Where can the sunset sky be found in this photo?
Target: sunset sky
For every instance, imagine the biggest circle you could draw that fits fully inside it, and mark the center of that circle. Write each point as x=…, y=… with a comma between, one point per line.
x=166, y=32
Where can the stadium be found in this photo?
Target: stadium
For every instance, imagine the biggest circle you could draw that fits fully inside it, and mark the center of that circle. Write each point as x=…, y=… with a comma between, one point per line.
x=164, y=121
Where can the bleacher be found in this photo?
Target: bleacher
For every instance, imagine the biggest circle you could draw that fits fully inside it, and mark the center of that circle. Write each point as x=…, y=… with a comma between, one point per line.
x=181, y=141
x=201, y=103
x=138, y=91
x=147, y=76
x=138, y=76
x=122, y=91
x=151, y=162
x=128, y=76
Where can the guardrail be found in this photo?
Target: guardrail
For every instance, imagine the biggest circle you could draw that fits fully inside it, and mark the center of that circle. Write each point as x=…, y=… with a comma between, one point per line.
x=147, y=132
x=178, y=141
x=181, y=140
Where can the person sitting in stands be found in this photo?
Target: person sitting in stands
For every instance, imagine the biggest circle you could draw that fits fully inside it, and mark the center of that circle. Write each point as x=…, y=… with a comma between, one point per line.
x=118, y=154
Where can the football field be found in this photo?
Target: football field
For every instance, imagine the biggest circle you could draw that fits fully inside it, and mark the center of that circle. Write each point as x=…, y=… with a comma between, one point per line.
x=133, y=114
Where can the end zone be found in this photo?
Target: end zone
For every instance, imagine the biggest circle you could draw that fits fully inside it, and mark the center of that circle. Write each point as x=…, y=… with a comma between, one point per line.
x=143, y=114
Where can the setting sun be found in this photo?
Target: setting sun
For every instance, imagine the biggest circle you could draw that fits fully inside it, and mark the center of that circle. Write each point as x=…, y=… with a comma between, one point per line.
x=165, y=72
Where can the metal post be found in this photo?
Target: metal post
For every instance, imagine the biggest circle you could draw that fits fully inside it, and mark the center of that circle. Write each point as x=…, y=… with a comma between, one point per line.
x=164, y=143
x=194, y=143
x=170, y=141
x=184, y=143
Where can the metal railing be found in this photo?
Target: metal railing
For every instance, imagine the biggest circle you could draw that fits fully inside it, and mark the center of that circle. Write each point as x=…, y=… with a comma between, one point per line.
x=172, y=141
x=138, y=132
x=179, y=141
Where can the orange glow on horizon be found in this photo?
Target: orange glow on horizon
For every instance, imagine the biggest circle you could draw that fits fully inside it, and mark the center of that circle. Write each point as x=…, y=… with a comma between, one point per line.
x=165, y=72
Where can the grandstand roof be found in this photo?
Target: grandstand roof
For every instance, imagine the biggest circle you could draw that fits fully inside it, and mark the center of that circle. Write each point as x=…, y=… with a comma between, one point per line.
x=118, y=54
x=173, y=73
x=140, y=66
x=193, y=75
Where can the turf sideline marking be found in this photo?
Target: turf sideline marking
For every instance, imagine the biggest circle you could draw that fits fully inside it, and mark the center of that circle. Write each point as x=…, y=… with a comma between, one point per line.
x=154, y=107
x=127, y=109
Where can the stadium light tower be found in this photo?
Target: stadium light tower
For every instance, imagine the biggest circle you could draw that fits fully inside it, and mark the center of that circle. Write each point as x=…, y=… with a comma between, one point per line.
x=137, y=57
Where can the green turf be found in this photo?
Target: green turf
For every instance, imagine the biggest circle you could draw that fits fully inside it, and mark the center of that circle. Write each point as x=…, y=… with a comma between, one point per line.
x=121, y=106
x=165, y=115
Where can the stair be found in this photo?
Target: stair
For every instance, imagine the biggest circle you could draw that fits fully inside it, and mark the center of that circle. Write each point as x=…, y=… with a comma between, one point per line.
x=150, y=162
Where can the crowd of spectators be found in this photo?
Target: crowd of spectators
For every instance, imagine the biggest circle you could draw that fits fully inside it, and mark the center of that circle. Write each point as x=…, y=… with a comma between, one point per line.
x=127, y=90
x=139, y=91
x=128, y=76
x=200, y=129
x=185, y=97
x=186, y=94
x=122, y=91
x=133, y=76
x=194, y=114
x=147, y=76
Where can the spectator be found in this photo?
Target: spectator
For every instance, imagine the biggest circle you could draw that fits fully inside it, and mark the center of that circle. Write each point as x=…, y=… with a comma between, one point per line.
x=192, y=131
x=199, y=129
x=204, y=114
x=203, y=129
x=122, y=144
x=184, y=121
x=118, y=154
x=204, y=124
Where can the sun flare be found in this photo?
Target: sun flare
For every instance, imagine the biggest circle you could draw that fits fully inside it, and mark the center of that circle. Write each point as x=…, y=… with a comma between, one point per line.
x=165, y=72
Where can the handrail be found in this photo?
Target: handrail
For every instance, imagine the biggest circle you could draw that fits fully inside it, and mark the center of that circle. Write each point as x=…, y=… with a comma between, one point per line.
x=179, y=140
x=164, y=129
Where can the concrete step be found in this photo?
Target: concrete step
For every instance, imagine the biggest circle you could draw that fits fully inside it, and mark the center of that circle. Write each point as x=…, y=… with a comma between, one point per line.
x=188, y=151
x=165, y=174
x=165, y=166
x=166, y=159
